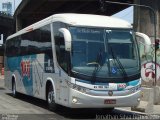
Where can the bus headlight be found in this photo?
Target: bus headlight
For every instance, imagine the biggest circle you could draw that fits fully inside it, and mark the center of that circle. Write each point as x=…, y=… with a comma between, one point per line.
x=136, y=88
x=77, y=87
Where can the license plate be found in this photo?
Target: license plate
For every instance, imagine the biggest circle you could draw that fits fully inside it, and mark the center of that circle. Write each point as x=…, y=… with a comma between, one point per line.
x=111, y=101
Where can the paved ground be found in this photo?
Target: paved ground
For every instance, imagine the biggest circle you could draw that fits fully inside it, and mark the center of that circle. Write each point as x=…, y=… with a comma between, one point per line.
x=29, y=108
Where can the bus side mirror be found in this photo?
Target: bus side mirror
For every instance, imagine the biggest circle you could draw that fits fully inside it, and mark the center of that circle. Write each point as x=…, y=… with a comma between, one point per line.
x=145, y=40
x=67, y=38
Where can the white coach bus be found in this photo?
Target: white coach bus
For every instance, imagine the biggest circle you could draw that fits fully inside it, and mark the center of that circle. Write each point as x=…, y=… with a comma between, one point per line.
x=75, y=60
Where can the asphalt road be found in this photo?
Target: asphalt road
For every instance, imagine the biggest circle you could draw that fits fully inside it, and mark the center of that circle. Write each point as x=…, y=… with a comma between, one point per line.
x=29, y=108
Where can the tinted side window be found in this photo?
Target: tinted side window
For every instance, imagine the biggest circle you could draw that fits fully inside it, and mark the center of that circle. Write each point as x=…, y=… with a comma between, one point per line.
x=8, y=46
x=24, y=44
x=12, y=47
x=37, y=41
x=46, y=39
x=34, y=42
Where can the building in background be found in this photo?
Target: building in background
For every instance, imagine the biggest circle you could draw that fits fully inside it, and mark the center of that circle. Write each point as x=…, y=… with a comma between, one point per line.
x=7, y=7
x=6, y=25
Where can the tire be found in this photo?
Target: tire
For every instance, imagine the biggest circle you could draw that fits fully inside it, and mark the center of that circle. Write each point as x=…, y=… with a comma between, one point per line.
x=51, y=99
x=14, y=92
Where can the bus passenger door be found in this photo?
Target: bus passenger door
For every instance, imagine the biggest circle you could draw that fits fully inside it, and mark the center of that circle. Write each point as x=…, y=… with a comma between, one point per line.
x=62, y=59
x=60, y=35
x=63, y=76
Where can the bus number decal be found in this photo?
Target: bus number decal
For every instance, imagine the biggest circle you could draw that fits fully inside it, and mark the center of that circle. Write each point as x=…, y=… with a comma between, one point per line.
x=25, y=68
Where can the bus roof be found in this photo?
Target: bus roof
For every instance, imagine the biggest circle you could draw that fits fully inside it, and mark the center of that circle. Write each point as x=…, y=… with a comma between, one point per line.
x=78, y=20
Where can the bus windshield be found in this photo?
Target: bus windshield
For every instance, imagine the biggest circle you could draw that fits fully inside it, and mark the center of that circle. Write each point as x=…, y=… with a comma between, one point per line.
x=104, y=53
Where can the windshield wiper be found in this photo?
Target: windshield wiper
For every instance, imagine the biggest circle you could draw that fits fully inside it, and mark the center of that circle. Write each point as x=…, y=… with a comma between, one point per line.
x=97, y=67
x=123, y=72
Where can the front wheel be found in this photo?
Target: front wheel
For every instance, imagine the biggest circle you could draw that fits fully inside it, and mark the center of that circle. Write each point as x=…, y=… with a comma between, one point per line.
x=51, y=99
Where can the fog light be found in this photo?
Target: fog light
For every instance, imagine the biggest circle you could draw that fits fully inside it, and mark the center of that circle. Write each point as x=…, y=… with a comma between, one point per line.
x=74, y=100
x=138, y=99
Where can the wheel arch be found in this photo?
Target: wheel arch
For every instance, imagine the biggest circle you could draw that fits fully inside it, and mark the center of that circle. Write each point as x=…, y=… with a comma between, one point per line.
x=13, y=79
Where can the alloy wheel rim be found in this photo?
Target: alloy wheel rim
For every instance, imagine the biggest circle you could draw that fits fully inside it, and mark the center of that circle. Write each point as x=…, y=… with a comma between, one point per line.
x=51, y=97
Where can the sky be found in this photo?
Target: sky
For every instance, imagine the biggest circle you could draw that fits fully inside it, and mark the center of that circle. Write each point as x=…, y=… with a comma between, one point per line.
x=12, y=1
x=126, y=14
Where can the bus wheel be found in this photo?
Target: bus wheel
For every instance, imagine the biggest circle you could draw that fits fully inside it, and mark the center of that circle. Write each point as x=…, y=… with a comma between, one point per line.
x=51, y=99
x=14, y=92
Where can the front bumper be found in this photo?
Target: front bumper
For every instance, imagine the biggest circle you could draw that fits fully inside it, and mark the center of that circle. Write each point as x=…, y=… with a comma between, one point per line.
x=81, y=100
